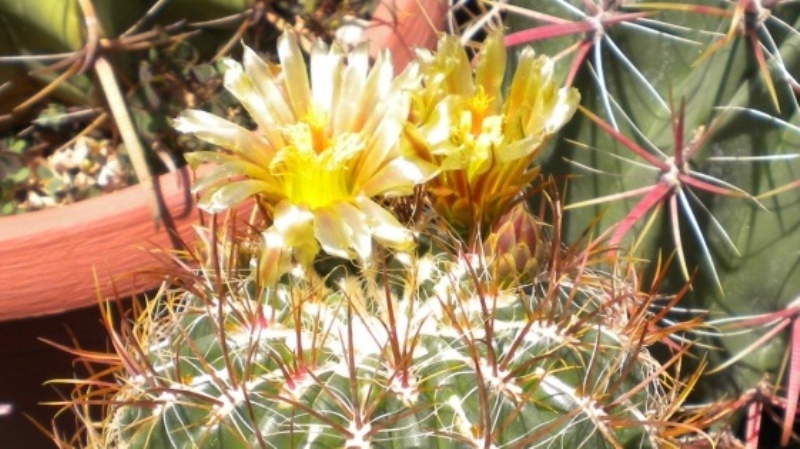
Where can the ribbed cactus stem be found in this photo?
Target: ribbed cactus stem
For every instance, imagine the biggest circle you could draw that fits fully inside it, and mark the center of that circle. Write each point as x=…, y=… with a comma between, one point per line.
x=454, y=367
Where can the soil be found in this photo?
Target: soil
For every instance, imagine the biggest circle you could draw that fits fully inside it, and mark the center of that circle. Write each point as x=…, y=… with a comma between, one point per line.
x=28, y=363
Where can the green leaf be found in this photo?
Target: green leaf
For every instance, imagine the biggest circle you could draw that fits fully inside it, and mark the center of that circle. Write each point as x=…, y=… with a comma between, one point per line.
x=20, y=176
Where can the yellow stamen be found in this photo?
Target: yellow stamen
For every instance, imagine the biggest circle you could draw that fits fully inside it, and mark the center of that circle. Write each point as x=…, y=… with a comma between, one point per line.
x=479, y=106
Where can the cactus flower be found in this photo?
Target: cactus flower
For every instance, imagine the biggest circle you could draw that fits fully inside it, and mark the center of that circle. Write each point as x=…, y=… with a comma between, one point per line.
x=484, y=142
x=324, y=150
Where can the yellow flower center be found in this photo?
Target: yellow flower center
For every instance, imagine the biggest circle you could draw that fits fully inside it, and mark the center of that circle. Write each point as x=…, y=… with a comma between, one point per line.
x=475, y=135
x=315, y=168
x=314, y=186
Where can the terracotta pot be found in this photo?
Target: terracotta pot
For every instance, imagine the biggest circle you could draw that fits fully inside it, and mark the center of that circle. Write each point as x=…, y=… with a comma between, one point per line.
x=402, y=25
x=50, y=257
x=65, y=258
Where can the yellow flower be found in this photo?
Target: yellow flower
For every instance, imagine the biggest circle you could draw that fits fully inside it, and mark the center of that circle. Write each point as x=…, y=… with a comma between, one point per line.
x=484, y=143
x=324, y=150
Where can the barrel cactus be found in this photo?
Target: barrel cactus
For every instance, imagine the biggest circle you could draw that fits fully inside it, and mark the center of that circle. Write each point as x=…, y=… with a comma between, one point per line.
x=432, y=355
x=367, y=302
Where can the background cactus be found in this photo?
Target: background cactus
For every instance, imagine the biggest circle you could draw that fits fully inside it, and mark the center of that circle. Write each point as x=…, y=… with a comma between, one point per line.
x=709, y=88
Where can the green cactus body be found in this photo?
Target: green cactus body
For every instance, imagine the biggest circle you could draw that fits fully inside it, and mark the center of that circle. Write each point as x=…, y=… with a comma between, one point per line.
x=642, y=69
x=444, y=366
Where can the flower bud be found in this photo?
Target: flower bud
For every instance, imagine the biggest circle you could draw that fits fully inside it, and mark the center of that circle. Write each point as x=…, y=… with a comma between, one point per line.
x=515, y=249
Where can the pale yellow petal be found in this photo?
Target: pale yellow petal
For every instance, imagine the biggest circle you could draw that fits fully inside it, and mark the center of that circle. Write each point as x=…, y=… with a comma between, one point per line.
x=326, y=73
x=295, y=76
x=296, y=227
x=233, y=168
x=375, y=95
x=358, y=59
x=481, y=159
x=383, y=70
x=228, y=195
x=382, y=146
x=346, y=113
x=334, y=236
x=409, y=78
x=238, y=83
x=424, y=56
x=459, y=74
x=445, y=116
x=220, y=132
x=276, y=100
x=491, y=65
x=360, y=234
x=456, y=159
x=384, y=226
x=393, y=108
x=398, y=177
x=565, y=105
x=198, y=158
x=517, y=92
x=395, y=104
x=242, y=87
x=275, y=258
x=518, y=149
